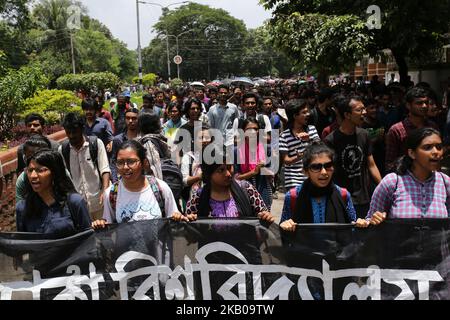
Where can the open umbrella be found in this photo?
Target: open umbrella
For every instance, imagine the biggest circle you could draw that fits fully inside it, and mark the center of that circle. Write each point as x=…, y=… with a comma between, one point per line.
x=242, y=81
x=227, y=81
x=215, y=83
x=197, y=84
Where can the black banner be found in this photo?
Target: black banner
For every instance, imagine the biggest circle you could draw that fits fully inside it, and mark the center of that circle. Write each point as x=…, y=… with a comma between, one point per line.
x=231, y=260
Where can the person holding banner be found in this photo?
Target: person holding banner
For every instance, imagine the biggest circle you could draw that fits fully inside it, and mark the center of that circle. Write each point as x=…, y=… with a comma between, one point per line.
x=52, y=206
x=136, y=196
x=318, y=199
x=224, y=197
x=416, y=189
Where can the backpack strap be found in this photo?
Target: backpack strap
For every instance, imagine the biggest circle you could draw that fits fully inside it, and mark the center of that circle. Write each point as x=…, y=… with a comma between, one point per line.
x=158, y=194
x=261, y=122
x=65, y=149
x=93, y=152
x=344, y=195
x=113, y=192
x=113, y=198
x=293, y=194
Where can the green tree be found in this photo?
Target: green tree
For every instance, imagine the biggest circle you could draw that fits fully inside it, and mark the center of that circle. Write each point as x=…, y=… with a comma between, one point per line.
x=52, y=102
x=95, y=48
x=330, y=34
x=147, y=80
x=15, y=12
x=15, y=87
x=96, y=52
x=262, y=58
x=89, y=81
x=212, y=45
x=14, y=22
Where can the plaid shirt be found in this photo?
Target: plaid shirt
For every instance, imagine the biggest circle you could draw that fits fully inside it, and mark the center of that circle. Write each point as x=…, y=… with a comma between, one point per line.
x=406, y=197
x=396, y=137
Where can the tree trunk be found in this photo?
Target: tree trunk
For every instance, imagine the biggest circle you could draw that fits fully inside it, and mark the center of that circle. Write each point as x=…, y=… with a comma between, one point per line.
x=402, y=67
x=322, y=77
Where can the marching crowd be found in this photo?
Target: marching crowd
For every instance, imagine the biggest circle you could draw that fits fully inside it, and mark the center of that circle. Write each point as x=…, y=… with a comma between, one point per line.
x=344, y=154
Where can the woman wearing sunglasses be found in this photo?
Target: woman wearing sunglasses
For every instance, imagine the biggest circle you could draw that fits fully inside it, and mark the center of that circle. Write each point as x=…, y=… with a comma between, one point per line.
x=417, y=189
x=317, y=199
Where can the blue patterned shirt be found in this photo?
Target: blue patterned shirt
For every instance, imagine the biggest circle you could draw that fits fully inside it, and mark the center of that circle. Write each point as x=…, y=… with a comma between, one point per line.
x=317, y=207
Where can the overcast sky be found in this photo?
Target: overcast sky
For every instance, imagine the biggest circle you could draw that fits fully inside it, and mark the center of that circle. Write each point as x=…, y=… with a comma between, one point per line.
x=120, y=15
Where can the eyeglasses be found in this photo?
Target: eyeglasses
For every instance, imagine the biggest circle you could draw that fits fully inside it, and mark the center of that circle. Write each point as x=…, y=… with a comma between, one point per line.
x=130, y=162
x=39, y=171
x=429, y=147
x=317, y=167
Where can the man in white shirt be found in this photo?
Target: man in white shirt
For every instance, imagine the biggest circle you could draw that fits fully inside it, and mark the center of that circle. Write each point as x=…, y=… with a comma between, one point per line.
x=250, y=102
x=89, y=170
x=222, y=115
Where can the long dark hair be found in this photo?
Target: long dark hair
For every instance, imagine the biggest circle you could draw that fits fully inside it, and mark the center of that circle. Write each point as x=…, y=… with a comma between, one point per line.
x=138, y=148
x=134, y=145
x=62, y=185
x=413, y=141
x=293, y=108
x=242, y=200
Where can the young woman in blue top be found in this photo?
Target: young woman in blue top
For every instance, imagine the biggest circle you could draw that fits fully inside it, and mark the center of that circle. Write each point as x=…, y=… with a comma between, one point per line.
x=317, y=199
x=52, y=205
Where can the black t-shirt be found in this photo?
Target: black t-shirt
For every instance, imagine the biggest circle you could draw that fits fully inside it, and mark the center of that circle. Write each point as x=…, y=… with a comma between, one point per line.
x=351, y=168
x=321, y=121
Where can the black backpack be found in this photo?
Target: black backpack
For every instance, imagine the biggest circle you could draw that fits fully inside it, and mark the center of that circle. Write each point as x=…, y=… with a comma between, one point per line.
x=93, y=151
x=173, y=177
x=170, y=171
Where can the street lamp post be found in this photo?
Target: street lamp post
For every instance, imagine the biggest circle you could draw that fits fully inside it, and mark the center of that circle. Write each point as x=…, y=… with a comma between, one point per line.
x=176, y=38
x=167, y=37
x=139, y=44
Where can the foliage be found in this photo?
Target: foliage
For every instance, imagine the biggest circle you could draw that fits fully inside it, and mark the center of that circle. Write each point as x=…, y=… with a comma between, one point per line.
x=95, y=52
x=12, y=44
x=52, y=104
x=89, y=81
x=147, y=79
x=332, y=43
x=15, y=87
x=176, y=82
x=210, y=41
x=15, y=12
x=53, y=63
x=19, y=134
x=95, y=49
x=3, y=63
x=262, y=57
x=406, y=29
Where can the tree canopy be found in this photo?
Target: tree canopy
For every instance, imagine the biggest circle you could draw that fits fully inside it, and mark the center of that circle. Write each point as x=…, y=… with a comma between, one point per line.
x=212, y=44
x=333, y=30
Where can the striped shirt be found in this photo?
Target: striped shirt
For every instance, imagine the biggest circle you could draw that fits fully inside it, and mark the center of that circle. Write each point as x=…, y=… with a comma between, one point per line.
x=289, y=144
x=406, y=197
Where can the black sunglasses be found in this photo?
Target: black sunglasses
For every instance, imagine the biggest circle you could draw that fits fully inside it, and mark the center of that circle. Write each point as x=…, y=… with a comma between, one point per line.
x=317, y=167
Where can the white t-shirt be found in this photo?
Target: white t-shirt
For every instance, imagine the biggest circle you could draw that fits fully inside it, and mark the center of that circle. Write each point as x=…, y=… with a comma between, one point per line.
x=136, y=206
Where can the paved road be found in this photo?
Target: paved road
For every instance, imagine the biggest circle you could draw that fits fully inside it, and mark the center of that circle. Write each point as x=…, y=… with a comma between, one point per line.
x=277, y=207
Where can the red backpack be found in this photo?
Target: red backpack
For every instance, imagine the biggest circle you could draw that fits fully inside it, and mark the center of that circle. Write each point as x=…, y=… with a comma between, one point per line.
x=293, y=194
